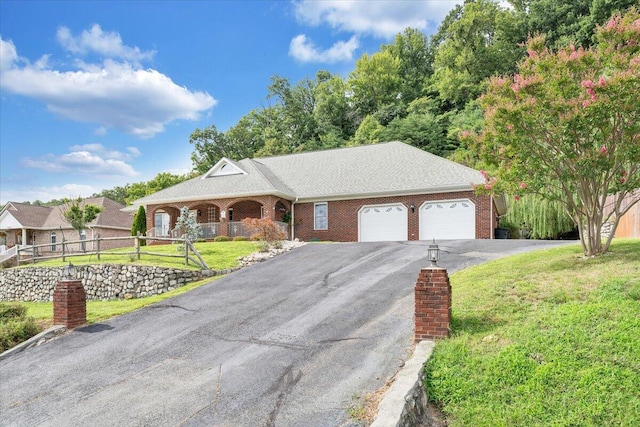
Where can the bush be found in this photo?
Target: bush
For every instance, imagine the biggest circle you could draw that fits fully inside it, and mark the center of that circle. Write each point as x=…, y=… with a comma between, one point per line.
x=240, y=239
x=221, y=239
x=264, y=246
x=15, y=326
x=12, y=312
x=263, y=229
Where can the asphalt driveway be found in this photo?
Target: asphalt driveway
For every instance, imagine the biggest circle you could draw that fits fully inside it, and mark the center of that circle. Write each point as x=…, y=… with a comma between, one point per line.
x=289, y=342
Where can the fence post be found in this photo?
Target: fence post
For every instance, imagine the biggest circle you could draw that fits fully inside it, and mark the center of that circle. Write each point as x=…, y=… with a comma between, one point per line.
x=63, y=246
x=98, y=246
x=33, y=253
x=186, y=251
x=137, y=244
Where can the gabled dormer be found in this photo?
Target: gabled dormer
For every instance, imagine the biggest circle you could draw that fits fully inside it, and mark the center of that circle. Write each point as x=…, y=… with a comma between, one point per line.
x=224, y=167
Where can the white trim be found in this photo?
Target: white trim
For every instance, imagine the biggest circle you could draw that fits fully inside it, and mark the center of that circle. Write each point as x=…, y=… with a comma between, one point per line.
x=314, y=216
x=406, y=217
x=390, y=193
x=217, y=169
x=421, y=225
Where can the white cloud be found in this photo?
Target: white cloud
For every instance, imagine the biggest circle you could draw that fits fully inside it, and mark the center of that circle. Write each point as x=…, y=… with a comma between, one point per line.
x=48, y=193
x=89, y=159
x=108, y=44
x=381, y=18
x=8, y=54
x=112, y=94
x=304, y=50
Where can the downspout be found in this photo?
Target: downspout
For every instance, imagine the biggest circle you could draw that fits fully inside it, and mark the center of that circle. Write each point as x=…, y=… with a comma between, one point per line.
x=293, y=228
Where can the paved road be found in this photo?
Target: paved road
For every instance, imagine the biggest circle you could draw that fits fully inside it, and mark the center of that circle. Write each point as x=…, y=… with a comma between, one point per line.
x=290, y=342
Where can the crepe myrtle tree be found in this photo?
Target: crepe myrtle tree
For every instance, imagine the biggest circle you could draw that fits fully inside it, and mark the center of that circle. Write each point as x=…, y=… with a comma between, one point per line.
x=566, y=127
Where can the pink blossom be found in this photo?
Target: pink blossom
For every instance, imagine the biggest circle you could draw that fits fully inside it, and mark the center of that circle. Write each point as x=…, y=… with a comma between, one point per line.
x=586, y=103
x=623, y=173
x=587, y=83
x=484, y=175
x=509, y=126
x=532, y=53
x=501, y=150
x=523, y=185
x=488, y=186
x=601, y=81
x=622, y=180
x=465, y=134
x=516, y=197
x=603, y=150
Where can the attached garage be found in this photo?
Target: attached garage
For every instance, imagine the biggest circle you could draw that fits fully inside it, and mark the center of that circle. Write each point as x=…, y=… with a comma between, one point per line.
x=383, y=223
x=448, y=219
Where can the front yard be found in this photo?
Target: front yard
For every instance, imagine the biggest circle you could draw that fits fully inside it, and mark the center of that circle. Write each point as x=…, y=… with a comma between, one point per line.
x=543, y=338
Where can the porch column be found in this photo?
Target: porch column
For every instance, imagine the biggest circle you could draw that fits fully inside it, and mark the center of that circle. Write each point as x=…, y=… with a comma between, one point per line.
x=24, y=236
x=224, y=217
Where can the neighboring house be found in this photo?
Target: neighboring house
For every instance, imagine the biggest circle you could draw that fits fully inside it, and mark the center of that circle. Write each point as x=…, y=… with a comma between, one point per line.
x=23, y=224
x=380, y=192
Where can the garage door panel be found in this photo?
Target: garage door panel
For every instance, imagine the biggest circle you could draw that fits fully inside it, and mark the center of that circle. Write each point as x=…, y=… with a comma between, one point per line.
x=454, y=219
x=382, y=223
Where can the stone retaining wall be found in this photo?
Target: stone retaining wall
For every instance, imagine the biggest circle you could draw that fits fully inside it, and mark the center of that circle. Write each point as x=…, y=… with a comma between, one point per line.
x=101, y=282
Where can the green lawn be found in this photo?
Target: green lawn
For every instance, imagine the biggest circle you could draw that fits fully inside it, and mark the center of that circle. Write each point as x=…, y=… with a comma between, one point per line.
x=544, y=338
x=217, y=255
x=97, y=311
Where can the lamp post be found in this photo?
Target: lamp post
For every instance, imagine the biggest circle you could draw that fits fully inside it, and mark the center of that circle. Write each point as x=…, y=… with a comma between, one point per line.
x=69, y=272
x=433, y=253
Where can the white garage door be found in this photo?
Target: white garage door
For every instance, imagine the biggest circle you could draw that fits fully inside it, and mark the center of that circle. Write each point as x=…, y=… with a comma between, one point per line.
x=448, y=219
x=382, y=223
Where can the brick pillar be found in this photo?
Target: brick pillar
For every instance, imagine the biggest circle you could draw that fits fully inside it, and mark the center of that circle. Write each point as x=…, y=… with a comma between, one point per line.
x=432, y=304
x=69, y=304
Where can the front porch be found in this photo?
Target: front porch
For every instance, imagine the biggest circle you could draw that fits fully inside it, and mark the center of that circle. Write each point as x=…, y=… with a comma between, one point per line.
x=219, y=217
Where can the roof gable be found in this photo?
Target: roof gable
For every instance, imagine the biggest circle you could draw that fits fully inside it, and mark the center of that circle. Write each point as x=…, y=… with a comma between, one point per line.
x=224, y=167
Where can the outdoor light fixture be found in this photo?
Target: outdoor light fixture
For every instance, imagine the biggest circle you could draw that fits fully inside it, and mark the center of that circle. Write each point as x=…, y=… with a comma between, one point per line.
x=412, y=207
x=69, y=272
x=433, y=252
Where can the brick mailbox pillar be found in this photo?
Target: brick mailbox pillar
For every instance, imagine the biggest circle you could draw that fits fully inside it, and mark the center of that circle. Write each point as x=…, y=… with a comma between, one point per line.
x=432, y=304
x=69, y=304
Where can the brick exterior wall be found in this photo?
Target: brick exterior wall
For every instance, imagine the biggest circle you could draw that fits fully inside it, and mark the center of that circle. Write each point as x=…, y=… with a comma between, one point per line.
x=69, y=304
x=432, y=304
x=343, y=216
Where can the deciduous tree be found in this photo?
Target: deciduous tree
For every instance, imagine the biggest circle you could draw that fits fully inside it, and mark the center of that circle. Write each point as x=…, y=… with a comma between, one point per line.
x=567, y=127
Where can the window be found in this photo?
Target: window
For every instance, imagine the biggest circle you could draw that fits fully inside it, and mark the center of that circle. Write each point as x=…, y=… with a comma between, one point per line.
x=320, y=216
x=53, y=240
x=161, y=223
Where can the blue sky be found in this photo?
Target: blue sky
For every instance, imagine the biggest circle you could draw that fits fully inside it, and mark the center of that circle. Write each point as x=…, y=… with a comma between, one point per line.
x=95, y=95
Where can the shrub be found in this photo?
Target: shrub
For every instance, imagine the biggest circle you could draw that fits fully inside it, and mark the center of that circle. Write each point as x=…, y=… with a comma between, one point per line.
x=12, y=311
x=240, y=239
x=15, y=326
x=263, y=229
x=221, y=239
x=264, y=246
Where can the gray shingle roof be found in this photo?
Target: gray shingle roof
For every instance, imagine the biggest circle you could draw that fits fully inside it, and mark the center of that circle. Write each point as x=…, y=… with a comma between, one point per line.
x=50, y=217
x=363, y=171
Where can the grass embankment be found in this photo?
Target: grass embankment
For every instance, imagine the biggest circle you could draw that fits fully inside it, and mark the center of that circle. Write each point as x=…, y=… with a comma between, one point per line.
x=219, y=256
x=543, y=338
